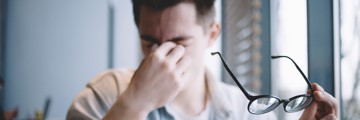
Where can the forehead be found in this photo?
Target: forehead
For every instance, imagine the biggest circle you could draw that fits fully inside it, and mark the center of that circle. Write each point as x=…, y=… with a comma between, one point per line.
x=167, y=23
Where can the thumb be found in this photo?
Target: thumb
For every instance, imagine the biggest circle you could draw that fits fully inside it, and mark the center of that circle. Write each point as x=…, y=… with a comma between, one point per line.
x=309, y=112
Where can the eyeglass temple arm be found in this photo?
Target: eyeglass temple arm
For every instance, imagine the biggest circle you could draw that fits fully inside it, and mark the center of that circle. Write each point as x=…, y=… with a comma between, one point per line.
x=297, y=67
x=232, y=75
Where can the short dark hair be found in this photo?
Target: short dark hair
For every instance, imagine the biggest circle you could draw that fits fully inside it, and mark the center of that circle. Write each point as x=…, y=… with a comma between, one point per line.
x=205, y=10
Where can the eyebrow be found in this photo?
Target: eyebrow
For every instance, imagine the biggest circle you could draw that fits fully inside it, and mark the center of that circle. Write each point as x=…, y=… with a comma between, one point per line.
x=154, y=40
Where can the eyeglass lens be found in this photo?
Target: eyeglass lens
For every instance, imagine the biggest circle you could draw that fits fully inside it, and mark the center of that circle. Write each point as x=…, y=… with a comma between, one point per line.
x=267, y=104
x=263, y=105
x=298, y=103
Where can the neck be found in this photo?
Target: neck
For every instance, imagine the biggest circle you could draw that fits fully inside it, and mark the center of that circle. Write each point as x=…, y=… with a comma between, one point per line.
x=193, y=99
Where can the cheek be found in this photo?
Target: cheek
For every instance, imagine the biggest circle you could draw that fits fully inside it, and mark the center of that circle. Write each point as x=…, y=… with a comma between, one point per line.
x=196, y=52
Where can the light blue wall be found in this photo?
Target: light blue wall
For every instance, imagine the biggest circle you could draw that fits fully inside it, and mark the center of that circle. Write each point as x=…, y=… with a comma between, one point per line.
x=127, y=44
x=53, y=47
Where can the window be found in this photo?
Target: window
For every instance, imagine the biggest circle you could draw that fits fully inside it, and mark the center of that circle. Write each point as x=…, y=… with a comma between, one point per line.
x=289, y=38
x=306, y=31
x=350, y=59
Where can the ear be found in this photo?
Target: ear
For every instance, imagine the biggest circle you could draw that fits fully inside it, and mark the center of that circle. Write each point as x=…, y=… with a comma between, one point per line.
x=214, y=32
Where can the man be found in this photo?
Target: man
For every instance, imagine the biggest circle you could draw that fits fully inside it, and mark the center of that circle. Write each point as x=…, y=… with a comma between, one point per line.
x=172, y=81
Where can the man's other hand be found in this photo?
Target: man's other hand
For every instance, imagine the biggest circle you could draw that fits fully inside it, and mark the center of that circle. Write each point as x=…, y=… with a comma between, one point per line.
x=325, y=106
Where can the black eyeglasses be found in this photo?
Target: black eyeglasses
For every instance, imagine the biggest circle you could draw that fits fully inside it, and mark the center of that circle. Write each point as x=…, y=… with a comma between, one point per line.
x=261, y=104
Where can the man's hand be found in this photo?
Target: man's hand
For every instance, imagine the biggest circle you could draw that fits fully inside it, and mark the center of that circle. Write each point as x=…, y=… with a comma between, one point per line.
x=325, y=106
x=156, y=82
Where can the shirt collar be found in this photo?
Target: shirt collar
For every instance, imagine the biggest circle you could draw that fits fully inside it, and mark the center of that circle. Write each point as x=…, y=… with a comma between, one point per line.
x=218, y=97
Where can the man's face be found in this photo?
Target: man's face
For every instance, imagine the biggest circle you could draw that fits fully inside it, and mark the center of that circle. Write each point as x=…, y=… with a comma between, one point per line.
x=176, y=24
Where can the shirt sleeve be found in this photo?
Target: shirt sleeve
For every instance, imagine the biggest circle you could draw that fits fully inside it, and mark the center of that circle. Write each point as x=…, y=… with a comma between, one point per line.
x=97, y=98
x=86, y=106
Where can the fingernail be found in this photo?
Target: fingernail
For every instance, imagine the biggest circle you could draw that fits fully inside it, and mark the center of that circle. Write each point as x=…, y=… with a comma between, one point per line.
x=316, y=85
x=153, y=47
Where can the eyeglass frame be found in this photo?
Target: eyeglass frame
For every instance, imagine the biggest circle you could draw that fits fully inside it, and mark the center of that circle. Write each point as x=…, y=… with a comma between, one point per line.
x=252, y=98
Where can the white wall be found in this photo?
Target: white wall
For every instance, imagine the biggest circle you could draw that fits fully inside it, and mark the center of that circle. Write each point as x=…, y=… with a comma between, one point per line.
x=53, y=47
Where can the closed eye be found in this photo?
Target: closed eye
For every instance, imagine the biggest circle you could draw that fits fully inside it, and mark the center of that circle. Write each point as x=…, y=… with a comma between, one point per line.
x=148, y=40
x=184, y=41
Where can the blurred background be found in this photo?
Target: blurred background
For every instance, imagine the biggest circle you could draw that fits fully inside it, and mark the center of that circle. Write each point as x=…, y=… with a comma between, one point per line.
x=50, y=49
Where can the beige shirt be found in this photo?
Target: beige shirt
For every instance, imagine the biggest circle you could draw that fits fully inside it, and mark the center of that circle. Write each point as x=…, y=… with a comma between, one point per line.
x=227, y=101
